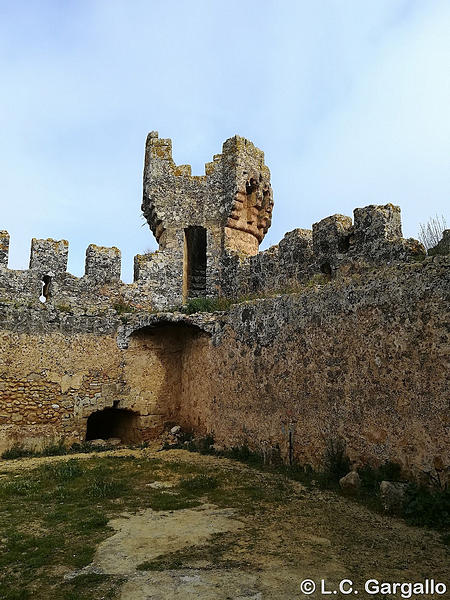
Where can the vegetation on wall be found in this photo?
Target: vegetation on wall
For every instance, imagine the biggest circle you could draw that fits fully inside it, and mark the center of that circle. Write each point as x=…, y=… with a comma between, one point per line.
x=430, y=233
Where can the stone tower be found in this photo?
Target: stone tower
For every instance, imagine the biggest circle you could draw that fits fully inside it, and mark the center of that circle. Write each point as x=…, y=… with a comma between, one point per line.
x=201, y=221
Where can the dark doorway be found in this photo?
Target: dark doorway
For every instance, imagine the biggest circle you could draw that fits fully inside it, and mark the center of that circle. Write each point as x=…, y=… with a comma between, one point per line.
x=195, y=257
x=46, y=285
x=113, y=423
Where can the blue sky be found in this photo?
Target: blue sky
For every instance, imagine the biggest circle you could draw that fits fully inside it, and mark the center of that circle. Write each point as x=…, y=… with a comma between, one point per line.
x=349, y=99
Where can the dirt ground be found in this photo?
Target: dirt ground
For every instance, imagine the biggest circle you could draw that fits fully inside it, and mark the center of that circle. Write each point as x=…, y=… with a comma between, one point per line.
x=225, y=553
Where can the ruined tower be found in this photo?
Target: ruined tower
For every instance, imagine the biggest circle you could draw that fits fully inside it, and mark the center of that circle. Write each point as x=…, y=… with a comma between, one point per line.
x=201, y=221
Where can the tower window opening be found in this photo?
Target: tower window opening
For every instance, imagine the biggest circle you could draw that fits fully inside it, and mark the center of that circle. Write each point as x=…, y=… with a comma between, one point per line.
x=251, y=188
x=45, y=292
x=195, y=261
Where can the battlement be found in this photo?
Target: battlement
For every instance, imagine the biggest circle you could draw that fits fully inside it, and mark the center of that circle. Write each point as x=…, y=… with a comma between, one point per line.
x=234, y=194
x=336, y=242
x=4, y=248
x=209, y=228
x=103, y=264
x=49, y=256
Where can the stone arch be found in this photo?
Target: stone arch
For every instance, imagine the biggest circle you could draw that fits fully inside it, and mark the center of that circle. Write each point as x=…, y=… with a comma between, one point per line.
x=204, y=324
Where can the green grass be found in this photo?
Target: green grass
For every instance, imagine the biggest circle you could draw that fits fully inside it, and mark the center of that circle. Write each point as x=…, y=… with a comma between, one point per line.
x=17, y=451
x=122, y=307
x=54, y=516
x=199, y=483
x=58, y=448
x=196, y=305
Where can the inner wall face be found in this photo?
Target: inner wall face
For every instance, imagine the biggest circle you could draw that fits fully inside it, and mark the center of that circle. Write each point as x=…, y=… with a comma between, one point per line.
x=153, y=374
x=363, y=359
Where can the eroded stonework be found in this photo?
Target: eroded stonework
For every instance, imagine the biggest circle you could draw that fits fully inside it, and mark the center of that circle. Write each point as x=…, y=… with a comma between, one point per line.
x=342, y=333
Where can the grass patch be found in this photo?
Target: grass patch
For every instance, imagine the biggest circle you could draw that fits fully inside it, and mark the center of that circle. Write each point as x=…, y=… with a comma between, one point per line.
x=196, y=305
x=56, y=514
x=429, y=507
x=63, y=471
x=423, y=506
x=81, y=587
x=122, y=307
x=58, y=448
x=17, y=451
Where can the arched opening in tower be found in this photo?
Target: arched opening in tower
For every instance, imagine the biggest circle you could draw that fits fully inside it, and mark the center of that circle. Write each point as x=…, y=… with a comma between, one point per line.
x=113, y=423
x=195, y=261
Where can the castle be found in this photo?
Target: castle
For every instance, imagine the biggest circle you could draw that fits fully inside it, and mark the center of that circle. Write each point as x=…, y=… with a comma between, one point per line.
x=337, y=331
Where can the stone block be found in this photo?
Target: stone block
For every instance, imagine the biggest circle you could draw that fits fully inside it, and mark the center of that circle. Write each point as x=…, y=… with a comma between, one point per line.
x=49, y=256
x=350, y=483
x=332, y=239
x=103, y=264
x=375, y=222
x=4, y=248
x=392, y=495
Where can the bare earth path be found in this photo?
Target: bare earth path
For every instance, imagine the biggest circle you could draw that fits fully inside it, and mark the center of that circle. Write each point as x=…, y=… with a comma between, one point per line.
x=260, y=552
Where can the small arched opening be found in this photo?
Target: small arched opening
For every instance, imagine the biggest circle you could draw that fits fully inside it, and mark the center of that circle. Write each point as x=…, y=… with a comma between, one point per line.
x=46, y=288
x=113, y=423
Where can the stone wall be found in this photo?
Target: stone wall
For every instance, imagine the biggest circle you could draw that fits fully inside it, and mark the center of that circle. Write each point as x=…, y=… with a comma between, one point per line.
x=362, y=357
x=51, y=381
x=58, y=369
x=336, y=243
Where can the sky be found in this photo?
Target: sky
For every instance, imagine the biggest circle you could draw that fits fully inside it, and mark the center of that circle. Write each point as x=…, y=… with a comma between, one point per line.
x=349, y=99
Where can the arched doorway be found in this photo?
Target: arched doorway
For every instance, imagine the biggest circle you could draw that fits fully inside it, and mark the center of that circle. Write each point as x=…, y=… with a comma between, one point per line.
x=195, y=262
x=113, y=423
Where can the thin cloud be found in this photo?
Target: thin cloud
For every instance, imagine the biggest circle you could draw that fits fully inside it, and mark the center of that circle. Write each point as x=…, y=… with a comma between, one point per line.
x=349, y=101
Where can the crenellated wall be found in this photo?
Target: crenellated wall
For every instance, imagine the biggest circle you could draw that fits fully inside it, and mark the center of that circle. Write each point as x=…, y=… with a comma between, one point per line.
x=335, y=244
x=362, y=357
x=48, y=280
x=346, y=335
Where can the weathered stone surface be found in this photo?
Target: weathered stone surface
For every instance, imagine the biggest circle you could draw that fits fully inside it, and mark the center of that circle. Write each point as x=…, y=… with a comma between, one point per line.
x=49, y=257
x=331, y=361
x=442, y=247
x=357, y=352
x=332, y=238
x=114, y=441
x=4, y=248
x=98, y=443
x=350, y=483
x=392, y=495
x=102, y=264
